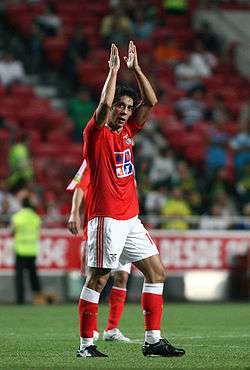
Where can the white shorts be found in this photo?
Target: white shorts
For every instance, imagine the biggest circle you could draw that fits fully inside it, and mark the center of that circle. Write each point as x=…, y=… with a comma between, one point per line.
x=84, y=262
x=112, y=241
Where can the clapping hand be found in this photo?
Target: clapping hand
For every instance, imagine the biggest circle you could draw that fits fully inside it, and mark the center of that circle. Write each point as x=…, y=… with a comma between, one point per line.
x=114, y=60
x=131, y=60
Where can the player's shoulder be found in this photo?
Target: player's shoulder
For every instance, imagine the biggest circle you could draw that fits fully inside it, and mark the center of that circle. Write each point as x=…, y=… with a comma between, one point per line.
x=92, y=125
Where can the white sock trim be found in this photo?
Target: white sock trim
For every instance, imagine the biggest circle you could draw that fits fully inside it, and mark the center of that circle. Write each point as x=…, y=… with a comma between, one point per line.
x=117, y=288
x=85, y=342
x=153, y=288
x=152, y=336
x=90, y=295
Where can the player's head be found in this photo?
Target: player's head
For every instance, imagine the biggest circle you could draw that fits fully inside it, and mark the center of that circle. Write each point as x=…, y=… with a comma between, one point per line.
x=122, y=107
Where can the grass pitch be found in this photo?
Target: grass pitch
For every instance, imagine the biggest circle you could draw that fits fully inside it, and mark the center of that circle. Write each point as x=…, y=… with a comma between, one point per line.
x=215, y=336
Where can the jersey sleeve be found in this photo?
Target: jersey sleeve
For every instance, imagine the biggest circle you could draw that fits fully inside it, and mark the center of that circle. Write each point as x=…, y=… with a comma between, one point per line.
x=81, y=178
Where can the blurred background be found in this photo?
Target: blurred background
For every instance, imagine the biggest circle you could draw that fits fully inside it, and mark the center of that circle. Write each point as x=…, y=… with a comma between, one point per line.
x=192, y=159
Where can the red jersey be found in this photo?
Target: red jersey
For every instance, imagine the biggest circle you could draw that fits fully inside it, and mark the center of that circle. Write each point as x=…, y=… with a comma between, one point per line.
x=81, y=181
x=110, y=160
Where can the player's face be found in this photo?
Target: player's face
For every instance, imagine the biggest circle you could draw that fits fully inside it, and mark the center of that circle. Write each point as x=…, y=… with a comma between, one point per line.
x=121, y=112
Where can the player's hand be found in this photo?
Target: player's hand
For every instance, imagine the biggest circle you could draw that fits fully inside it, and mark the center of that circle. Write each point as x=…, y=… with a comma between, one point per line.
x=131, y=60
x=74, y=224
x=114, y=60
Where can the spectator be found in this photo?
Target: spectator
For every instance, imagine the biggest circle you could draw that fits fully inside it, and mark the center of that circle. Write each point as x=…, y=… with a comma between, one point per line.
x=227, y=206
x=244, y=224
x=218, y=140
x=214, y=220
x=202, y=60
x=168, y=51
x=245, y=114
x=218, y=110
x=243, y=185
x=186, y=75
x=184, y=178
x=155, y=199
x=215, y=184
x=53, y=216
x=241, y=146
x=26, y=225
x=36, y=49
x=210, y=40
x=116, y=27
x=175, y=6
x=176, y=208
x=194, y=200
x=80, y=109
x=191, y=108
x=163, y=167
x=142, y=26
x=21, y=170
x=8, y=204
x=11, y=70
x=49, y=22
x=77, y=50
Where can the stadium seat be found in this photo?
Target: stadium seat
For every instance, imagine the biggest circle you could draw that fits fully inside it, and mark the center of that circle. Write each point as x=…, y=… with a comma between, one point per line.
x=55, y=119
x=54, y=48
x=31, y=117
x=22, y=92
x=58, y=136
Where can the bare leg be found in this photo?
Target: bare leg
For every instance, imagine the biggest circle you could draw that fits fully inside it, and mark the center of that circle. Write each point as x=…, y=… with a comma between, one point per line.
x=152, y=269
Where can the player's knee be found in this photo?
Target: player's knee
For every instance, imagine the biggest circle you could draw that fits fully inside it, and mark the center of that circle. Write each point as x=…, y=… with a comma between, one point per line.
x=97, y=279
x=120, y=279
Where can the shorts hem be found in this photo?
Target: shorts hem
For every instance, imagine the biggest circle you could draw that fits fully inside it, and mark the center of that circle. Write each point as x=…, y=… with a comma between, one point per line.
x=144, y=257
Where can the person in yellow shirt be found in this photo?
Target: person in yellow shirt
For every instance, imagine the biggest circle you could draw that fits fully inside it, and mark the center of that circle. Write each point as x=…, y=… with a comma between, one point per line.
x=176, y=208
x=26, y=226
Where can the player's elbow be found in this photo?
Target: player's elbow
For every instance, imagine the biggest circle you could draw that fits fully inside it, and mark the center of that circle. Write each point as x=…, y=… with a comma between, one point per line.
x=152, y=102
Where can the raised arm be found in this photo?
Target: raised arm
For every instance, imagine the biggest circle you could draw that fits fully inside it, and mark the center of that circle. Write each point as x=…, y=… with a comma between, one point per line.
x=108, y=91
x=74, y=222
x=147, y=93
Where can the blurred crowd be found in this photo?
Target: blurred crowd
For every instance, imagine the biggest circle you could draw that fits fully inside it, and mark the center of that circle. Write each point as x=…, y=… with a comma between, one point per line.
x=192, y=158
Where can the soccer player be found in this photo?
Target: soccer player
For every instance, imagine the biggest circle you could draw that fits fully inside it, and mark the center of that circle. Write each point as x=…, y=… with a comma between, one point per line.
x=117, y=297
x=115, y=233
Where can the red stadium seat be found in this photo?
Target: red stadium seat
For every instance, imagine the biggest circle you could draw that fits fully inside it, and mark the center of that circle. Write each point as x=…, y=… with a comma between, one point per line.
x=2, y=91
x=31, y=118
x=22, y=92
x=54, y=48
x=55, y=118
x=58, y=136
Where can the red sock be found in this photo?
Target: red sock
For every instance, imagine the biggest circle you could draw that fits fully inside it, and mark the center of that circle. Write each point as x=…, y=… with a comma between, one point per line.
x=87, y=318
x=152, y=305
x=96, y=326
x=116, y=300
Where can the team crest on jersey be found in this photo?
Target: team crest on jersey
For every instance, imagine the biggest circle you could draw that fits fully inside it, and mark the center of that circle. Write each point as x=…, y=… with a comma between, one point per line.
x=128, y=140
x=123, y=163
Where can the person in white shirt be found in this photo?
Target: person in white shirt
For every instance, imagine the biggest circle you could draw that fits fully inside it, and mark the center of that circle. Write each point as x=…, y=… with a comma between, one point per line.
x=11, y=70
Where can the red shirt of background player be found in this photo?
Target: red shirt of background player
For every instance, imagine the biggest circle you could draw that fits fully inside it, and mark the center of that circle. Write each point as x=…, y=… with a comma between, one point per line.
x=81, y=181
x=112, y=186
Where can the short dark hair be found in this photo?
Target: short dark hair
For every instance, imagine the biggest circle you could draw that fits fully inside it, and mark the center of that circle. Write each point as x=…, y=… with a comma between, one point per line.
x=26, y=203
x=123, y=90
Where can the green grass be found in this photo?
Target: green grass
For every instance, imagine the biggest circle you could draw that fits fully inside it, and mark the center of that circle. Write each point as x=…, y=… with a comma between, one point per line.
x=46, y=337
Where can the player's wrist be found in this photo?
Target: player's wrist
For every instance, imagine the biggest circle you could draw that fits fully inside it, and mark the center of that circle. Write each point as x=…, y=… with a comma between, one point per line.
x=74, y=213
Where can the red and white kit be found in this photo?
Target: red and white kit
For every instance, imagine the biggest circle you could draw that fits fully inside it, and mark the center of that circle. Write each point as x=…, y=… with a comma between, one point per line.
x=81, y=181
x=115, y=232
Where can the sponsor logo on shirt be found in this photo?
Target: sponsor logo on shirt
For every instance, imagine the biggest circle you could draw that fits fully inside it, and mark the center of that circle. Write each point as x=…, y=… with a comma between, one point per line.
x=123, y=163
